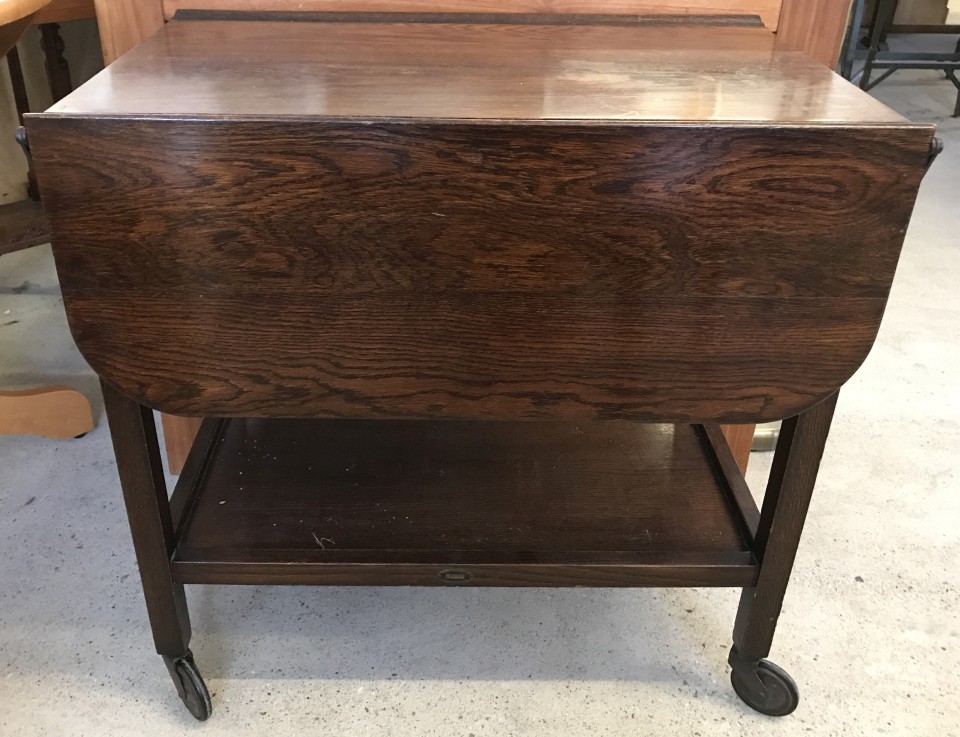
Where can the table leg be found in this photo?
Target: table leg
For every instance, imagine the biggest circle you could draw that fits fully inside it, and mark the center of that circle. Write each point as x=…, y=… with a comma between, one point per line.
x=795, y=465
x=137, y=451
x=58, y=71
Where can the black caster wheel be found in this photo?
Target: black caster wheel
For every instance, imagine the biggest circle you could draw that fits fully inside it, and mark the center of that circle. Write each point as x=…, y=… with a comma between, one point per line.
x=190, y=686
x=764, y=686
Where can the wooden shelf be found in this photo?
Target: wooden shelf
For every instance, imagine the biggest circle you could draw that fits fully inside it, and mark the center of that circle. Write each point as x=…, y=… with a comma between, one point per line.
x=486, y=503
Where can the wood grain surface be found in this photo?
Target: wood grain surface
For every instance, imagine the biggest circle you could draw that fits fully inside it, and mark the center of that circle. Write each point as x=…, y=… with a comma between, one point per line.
x=453, y=270
x=398, y=502
x=134, y=435
x=785, y=504
x=123, y=24
x=491, y=72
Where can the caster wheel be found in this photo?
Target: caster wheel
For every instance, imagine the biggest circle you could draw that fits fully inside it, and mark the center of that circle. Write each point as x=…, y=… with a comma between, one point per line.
x=766, y=687
x=193, y=691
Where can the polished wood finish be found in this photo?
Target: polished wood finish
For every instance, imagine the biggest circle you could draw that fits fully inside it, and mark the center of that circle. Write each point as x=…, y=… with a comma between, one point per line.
x=461, y=71
x=814, y=27
x=789, y=489
x=542, y=316
x=50, y=412
x=148, y=511
x=767, y=10
x=510, y=503
x=197, y=459
x=609, y=571
x=725, y=460
x=538, y=266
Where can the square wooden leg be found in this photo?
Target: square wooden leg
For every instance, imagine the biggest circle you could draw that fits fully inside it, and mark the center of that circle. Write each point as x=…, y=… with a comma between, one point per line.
x=761, y=684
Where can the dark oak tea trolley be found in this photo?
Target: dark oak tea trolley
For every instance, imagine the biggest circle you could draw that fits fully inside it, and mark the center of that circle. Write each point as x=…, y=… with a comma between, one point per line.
x=462, y=299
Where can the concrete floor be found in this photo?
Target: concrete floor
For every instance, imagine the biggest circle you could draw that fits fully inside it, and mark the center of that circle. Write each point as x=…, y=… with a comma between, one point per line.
x=869, y=630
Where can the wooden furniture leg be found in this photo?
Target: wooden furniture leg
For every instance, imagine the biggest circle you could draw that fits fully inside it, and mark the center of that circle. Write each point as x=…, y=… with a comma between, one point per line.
x=763, y=685
x=58, y=71
x=23, y=107
x=137, y=451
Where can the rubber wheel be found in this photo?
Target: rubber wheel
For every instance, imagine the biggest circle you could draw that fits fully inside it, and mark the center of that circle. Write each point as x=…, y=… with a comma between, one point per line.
x=779, y=696
x=193, y=691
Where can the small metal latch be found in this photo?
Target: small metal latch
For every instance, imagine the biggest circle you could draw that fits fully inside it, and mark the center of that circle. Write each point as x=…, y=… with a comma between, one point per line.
x=936, y=146
x=21, y=136
x=455, y=576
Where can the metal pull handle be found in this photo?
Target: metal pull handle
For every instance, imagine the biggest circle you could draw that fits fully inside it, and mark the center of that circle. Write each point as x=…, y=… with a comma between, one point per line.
x=936, y=146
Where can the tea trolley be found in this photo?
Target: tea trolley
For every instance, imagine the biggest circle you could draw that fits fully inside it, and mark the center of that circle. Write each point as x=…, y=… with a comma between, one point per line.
x=462, y=299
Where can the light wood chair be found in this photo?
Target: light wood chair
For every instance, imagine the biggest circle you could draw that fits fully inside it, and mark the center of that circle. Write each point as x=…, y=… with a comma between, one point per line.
x=50, y=411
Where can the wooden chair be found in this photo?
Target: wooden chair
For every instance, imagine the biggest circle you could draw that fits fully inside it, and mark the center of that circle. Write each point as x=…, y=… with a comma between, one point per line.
x=51, y=411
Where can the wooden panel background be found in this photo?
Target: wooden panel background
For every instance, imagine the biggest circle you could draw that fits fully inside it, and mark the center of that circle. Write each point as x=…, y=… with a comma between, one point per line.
x=768, y=10
x=814, y=27
x=125, y=23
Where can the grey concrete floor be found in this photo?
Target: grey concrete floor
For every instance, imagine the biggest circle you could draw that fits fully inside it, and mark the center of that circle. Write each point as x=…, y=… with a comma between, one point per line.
x=869, y=630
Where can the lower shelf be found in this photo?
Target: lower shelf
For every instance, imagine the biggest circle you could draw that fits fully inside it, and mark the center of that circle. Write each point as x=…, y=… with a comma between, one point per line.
x=349, y=502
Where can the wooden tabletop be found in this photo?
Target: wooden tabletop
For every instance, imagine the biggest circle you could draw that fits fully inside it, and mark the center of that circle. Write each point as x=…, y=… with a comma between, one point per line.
x=645, y=73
